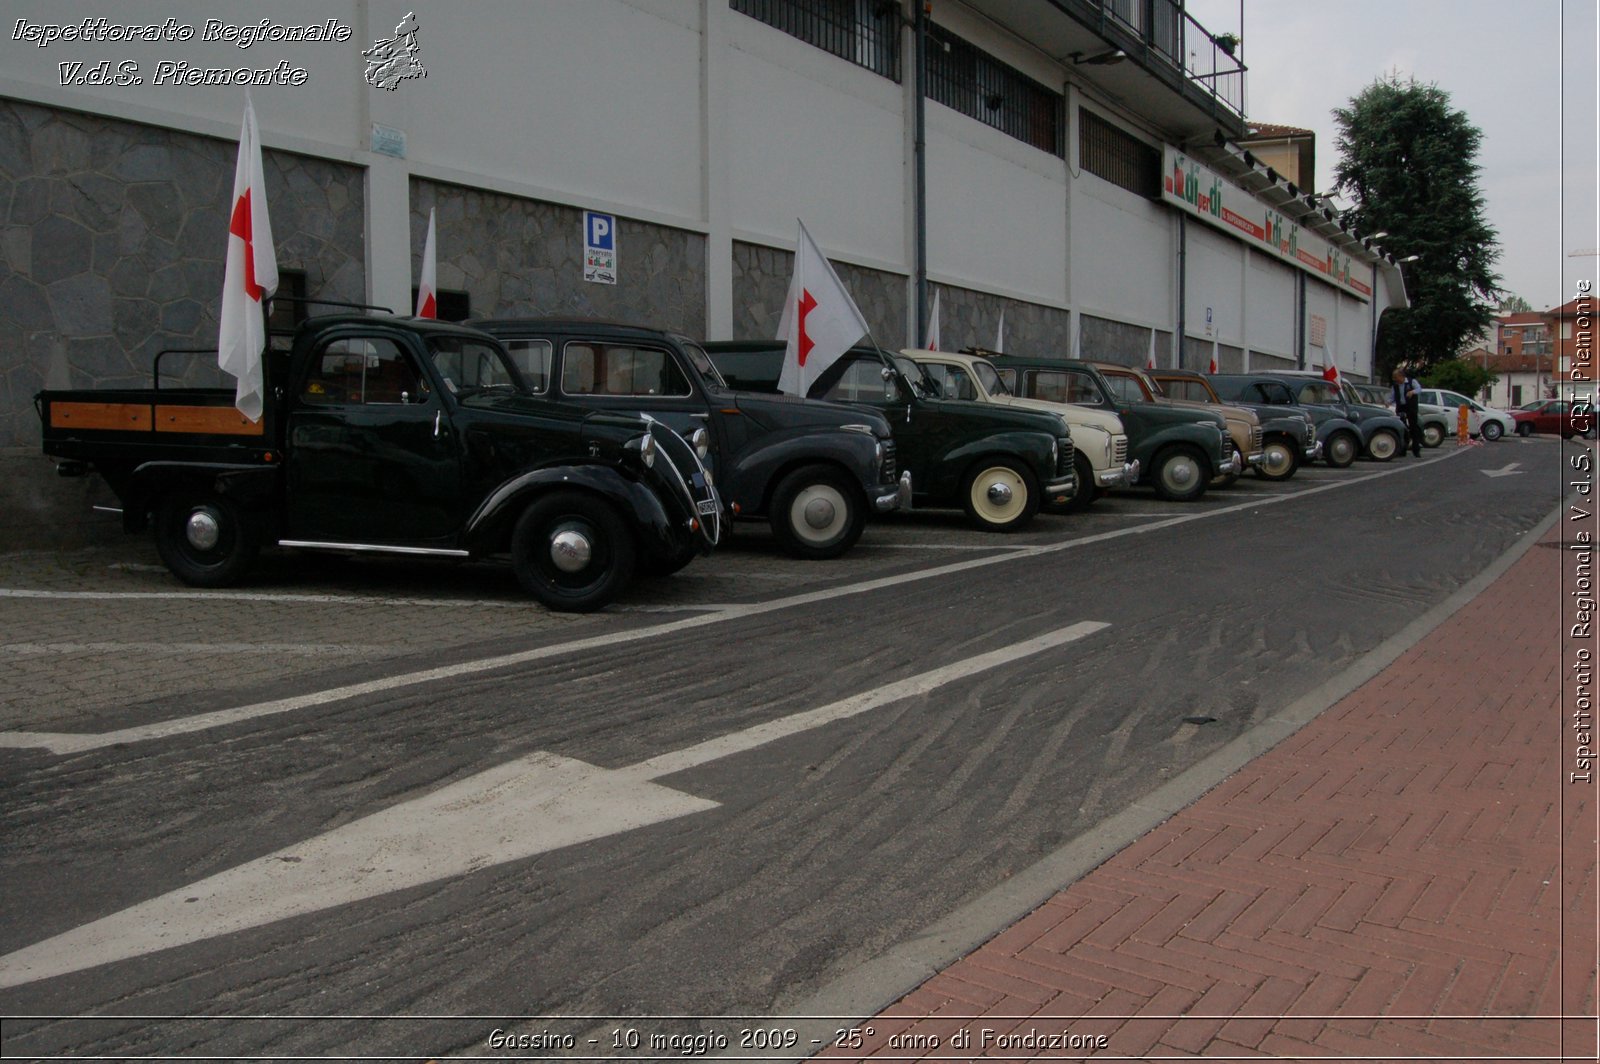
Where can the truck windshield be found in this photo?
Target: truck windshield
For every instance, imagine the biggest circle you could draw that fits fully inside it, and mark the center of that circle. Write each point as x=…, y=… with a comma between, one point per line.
x=470, y=367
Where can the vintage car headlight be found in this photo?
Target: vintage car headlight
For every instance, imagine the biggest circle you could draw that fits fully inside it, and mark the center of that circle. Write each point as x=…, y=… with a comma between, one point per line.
x=701, y=439
x=644, y=447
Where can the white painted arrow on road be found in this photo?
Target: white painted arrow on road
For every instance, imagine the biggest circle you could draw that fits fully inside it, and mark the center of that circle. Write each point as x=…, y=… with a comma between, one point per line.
x=513, y=811
x=1506, y=471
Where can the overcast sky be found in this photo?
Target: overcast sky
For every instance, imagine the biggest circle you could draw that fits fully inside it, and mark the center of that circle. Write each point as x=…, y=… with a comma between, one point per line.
x=1500, y=64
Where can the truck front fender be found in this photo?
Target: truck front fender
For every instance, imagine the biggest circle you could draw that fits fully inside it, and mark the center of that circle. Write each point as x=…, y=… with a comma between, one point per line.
x=752, y=477
x=1031, y=448
x=488, y=530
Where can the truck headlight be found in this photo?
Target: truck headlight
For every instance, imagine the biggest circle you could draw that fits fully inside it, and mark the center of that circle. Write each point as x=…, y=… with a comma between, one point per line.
x=644, y=447
x=701, y=439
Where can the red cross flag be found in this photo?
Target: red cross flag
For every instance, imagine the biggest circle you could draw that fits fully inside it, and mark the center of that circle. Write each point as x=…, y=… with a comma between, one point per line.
x=1330, y=372
x=250, y=275
x=1213, y=355
x=428, y=286
x=1150, y=359
x=820, y=321
x=933, y=337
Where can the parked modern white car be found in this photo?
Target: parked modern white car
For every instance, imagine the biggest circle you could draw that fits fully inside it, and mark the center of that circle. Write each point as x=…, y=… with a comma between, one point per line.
x=1485, y=421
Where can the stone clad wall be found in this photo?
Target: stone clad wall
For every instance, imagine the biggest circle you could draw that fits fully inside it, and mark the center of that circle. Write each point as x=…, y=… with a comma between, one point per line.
x=761, y=278
x=112, y=239
x=516, y=256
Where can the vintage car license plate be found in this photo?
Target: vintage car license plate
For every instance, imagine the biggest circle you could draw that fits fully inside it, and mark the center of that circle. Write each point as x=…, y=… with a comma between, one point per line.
x=707, y=507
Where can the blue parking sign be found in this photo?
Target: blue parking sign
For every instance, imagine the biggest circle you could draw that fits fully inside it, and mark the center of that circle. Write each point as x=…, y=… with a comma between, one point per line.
x=599, y=231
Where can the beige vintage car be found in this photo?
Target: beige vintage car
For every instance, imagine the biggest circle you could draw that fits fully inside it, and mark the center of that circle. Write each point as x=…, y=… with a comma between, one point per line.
x=1098, y=437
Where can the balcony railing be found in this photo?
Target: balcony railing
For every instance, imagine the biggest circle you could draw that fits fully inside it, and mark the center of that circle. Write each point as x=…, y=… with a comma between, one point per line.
x=1172, y=36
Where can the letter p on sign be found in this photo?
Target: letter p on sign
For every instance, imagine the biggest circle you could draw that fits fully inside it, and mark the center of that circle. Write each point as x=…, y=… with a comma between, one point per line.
x=599, y=231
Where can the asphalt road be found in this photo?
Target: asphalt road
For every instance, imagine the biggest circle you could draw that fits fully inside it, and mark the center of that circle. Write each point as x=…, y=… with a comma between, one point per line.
x=738, y=785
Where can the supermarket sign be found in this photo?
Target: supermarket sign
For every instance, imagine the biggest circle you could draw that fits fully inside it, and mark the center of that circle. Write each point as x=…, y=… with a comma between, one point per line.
x=1205, y=194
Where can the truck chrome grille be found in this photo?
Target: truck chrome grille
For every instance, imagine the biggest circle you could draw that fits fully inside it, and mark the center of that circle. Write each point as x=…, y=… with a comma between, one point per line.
x=1064, y=454
x=889, y=472
x=1119, y=450
x=1255, y=440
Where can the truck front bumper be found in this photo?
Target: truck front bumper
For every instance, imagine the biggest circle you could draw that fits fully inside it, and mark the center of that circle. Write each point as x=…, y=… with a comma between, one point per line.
x=1126, y=477
x=1231, y=465
x=898, y=499
x=1314, y=452
x=1254, y=461
x=1061, y=492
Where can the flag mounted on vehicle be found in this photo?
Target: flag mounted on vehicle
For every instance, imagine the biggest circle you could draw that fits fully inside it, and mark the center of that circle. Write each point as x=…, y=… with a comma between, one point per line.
x=820, y=322
x=1330, y=373
x=250, y=275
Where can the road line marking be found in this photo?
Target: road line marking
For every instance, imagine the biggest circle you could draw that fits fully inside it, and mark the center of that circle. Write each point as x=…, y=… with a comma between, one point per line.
x=72, y=743
x=770, y=731
x=513, y=811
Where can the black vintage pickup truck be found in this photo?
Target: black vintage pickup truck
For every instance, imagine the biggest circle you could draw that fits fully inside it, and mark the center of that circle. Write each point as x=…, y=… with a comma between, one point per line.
x=400, y=436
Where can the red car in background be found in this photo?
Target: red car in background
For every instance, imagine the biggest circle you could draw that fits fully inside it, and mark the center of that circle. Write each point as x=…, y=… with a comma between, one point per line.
x=1555, y=415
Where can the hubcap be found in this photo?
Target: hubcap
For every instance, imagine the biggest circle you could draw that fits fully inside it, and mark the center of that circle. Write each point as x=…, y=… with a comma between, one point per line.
x=1181, y=473
x=999, y=493
x=819, y=513
x=202, y=530
x=999, y=496
x=570, y=551
x=1277, y=459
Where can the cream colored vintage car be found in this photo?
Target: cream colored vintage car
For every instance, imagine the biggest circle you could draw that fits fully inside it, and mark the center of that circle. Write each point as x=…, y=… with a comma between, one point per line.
x=1102, y=445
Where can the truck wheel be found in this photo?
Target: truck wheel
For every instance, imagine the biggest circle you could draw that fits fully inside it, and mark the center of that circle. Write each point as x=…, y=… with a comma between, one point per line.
x=1279, y=460
x=817, y=513
x=1383, y=445
x=1432, y=435
x=206, y=540
x=1341, y=449
x=1086, y=494
x=1180, y=474
x=999, y=495
x=572, y=552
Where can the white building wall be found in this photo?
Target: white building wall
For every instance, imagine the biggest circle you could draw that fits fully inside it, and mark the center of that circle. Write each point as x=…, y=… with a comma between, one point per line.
x=1215, y=283
x=997, y=211
x=1271, y=298
x=1122, y=265
x=814, y=137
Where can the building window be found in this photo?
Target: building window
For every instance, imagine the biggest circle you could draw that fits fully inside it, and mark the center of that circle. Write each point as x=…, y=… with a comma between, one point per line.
x=967, y=79
x=866, y=32
x=1119, y=157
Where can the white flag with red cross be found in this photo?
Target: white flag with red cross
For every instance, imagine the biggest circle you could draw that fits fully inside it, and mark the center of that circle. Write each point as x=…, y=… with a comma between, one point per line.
x=932, y=342
x=820, y=322
x=428, y=286
x=250, y=275
x=1330, y=372
x=1213, y=355
x=1150, y=359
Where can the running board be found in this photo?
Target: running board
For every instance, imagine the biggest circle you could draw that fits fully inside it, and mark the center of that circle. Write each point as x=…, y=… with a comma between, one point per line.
x=374, y=548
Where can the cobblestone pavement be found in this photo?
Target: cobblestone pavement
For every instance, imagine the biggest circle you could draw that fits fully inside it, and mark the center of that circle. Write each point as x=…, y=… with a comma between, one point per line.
x=1410, y=876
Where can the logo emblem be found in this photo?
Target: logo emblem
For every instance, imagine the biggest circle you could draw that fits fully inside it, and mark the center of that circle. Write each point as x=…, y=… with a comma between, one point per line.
x=392, y=61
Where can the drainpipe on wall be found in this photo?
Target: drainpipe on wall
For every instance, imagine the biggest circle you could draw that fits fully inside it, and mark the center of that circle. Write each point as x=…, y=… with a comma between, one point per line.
x=920, y=157
x=1300, y=321
x=1183, y=283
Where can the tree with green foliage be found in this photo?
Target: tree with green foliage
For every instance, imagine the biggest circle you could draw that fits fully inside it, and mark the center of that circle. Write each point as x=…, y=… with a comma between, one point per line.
x=1408, y=164
x=1459, y=375
x=1514, y=304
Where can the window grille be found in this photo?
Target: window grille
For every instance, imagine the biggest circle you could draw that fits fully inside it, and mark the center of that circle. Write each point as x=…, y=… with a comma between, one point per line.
x=866, y=32
x=1119, y=157
x=967, y=79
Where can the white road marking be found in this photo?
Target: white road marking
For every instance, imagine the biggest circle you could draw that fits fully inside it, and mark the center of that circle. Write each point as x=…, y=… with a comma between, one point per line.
x=1504, y=471
x=532, y=805
x=71, y=743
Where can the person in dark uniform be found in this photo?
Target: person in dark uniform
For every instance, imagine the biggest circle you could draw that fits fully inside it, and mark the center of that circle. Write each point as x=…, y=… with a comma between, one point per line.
x=1406, y=394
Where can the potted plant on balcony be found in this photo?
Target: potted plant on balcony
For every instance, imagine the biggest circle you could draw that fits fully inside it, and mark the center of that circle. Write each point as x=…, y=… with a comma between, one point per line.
x=1227, y=42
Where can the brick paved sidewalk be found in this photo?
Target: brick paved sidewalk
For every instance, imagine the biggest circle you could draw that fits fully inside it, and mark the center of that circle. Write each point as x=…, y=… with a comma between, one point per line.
x=1408, y=876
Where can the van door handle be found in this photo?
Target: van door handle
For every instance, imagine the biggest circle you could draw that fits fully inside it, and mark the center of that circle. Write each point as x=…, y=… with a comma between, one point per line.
x=438, y=416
